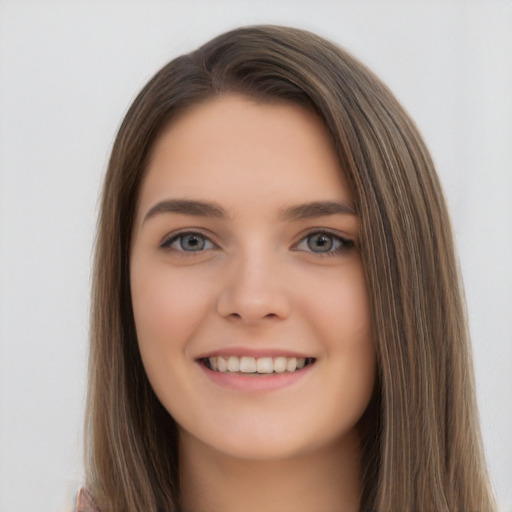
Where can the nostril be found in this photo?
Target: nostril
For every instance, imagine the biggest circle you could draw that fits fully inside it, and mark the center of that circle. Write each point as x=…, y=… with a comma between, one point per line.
x=238, y=316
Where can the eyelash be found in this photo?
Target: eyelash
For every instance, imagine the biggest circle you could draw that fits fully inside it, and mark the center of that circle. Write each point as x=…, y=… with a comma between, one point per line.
x=344, y=244
x=168, y=242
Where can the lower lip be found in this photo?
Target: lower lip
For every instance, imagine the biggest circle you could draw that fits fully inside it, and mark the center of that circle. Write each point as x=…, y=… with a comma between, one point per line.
x=249, y=382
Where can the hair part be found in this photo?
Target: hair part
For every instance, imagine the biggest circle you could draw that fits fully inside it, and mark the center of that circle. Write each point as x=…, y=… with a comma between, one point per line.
x=422, y=447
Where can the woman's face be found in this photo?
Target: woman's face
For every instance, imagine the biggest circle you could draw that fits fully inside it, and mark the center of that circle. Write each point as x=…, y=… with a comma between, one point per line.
x=248, y=291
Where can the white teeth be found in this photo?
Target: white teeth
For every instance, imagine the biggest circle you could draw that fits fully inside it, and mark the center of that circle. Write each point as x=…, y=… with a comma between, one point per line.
x=264, y=365
x=279, y=364
x=221, y=364
x=291, y=364
x=247, y=364
x=233, y=364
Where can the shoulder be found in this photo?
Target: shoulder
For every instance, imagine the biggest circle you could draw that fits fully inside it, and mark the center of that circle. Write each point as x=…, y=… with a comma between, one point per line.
x=85, y=502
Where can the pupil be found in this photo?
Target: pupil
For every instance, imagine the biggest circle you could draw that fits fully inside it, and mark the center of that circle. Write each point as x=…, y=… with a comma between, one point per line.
x=320, y=243
x=193, y=243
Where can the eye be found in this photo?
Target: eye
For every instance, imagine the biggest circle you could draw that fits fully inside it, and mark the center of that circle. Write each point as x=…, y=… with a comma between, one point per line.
x=323, y=242
x=188, y=242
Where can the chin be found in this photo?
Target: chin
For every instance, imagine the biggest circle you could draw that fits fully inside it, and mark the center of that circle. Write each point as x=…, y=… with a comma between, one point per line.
x=269, y=444
x=264, y=450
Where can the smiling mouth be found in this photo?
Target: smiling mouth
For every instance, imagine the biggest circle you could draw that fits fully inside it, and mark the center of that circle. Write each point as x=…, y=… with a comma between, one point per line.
x=256, y=365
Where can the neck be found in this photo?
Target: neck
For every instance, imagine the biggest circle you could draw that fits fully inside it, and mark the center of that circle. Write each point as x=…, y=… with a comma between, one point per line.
x=327, y=479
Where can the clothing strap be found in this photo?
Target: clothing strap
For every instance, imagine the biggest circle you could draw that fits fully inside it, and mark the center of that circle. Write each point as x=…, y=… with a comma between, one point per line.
x=85, y=501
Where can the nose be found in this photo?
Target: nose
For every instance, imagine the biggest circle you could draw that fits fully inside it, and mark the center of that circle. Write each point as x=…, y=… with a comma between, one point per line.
x=254, y=291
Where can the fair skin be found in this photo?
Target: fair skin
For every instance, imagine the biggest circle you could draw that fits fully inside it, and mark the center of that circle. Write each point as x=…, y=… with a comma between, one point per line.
x=245, y=252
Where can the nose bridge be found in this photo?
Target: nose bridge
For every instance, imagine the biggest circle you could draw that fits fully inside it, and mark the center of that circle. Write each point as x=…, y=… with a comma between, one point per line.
x=254, y=289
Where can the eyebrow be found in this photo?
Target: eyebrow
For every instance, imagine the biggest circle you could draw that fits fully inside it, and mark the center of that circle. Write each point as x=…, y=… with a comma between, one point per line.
x=209, y=209
x=317, y=209
x=187, y=207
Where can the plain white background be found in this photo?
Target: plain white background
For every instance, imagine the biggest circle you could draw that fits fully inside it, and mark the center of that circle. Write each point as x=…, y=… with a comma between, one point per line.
x=68, y=71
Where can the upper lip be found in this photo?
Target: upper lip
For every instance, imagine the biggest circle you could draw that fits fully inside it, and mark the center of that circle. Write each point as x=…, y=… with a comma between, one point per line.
x=251, y=352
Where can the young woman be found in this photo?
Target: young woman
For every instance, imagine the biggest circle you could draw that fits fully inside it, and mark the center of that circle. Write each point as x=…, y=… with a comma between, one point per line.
x=277, y=318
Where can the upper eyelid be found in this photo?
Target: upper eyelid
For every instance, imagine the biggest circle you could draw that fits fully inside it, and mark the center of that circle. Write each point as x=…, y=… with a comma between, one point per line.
x=186, y=231
x=328, y=231
x=348, y=244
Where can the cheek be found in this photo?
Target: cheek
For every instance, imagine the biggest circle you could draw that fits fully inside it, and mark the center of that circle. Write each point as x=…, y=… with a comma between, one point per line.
x=357, y=347
x=343, y=323
x=340, y=309
x=167, y=308
x=353, y=323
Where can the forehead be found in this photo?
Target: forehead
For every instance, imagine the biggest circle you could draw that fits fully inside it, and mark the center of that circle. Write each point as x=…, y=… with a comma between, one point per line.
x=232, y=146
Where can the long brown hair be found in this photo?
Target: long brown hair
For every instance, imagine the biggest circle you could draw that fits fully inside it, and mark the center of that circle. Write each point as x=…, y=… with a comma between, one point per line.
x=422, y=448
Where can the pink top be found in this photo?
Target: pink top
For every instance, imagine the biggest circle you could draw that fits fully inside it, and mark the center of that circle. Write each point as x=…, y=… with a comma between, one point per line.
x=85, y=502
